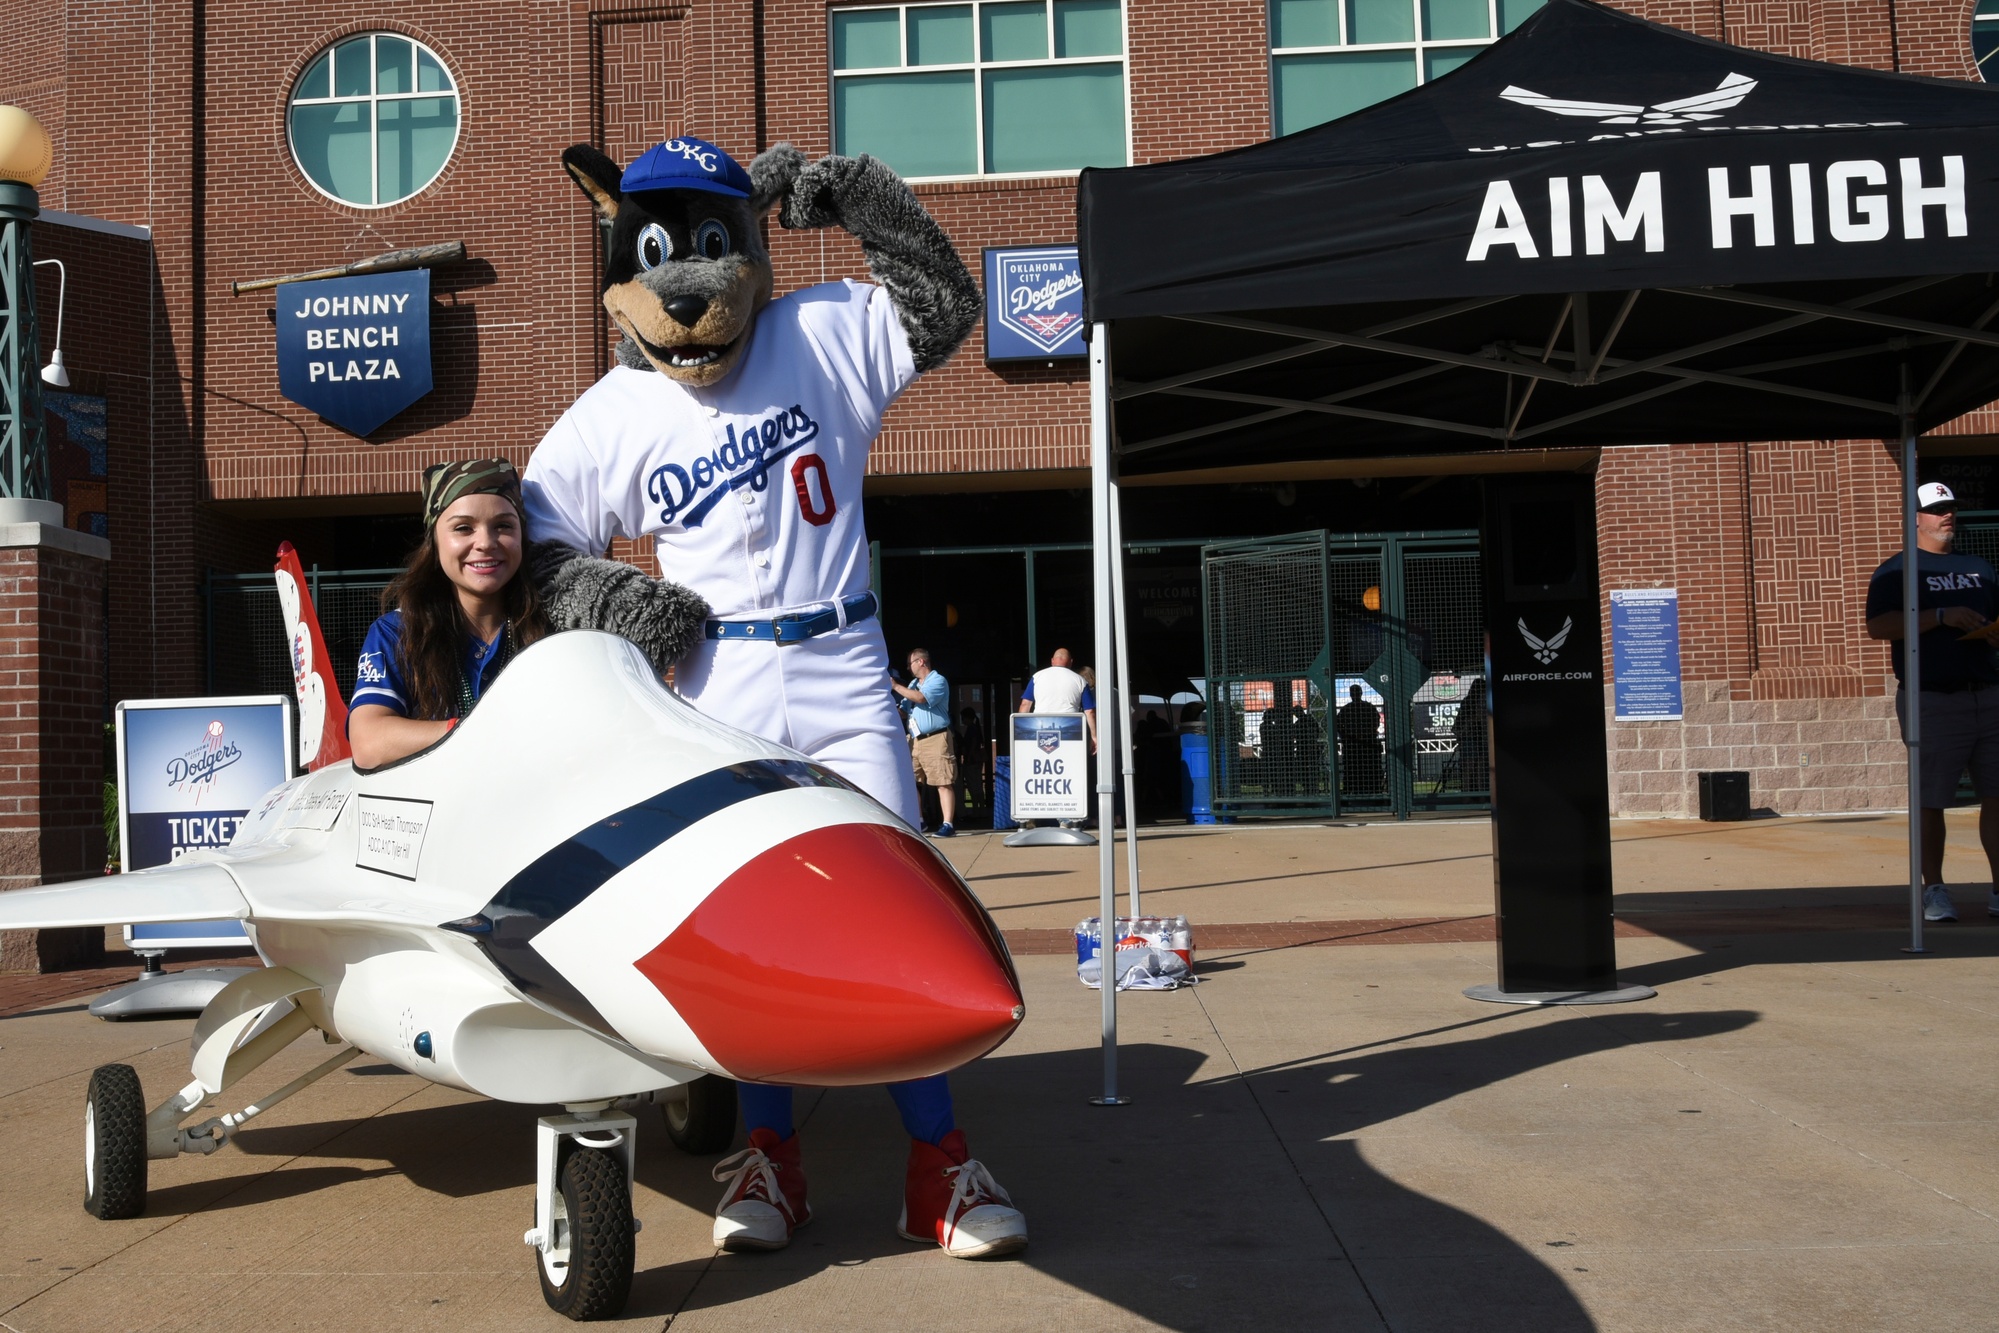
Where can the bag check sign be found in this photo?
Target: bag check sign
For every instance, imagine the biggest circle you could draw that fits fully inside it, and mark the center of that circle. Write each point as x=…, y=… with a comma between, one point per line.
x=1034, y=304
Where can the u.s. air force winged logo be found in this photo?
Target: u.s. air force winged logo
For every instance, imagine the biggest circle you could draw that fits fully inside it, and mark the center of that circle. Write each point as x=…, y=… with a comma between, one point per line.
x=1681, y=111
x=1545, y=650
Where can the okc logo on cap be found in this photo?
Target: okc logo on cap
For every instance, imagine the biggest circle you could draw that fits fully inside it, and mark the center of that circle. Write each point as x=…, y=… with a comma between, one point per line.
x=686, y=163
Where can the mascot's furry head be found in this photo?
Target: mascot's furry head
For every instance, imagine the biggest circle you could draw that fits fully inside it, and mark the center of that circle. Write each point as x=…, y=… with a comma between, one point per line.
x=686, y=272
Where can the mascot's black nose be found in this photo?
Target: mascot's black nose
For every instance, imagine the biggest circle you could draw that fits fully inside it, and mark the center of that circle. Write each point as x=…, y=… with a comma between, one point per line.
x=687, y=310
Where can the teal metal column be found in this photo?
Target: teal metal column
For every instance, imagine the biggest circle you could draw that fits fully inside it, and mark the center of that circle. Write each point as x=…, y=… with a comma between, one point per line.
x=24, y=471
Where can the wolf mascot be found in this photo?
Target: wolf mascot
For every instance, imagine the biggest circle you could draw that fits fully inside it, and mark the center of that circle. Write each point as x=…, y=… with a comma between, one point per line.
x=734, y=432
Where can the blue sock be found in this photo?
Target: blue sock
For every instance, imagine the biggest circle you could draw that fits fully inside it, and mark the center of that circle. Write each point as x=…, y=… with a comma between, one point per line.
x=766, y=1106
x=925, y=1104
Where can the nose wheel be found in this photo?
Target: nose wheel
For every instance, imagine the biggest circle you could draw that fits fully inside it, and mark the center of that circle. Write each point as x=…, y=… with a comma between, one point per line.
x=584, y=1228
x=586, y=1271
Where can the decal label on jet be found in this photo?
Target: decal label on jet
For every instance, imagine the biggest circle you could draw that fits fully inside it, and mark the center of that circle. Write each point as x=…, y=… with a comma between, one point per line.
x=392, y=832
x=315, y=810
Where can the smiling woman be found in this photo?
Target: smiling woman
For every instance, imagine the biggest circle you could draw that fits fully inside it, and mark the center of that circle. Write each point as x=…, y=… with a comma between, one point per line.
x=457, y=614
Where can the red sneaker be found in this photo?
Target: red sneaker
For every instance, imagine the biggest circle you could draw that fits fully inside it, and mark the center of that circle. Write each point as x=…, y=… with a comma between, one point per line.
x=765, y=1199
x=950, y=1198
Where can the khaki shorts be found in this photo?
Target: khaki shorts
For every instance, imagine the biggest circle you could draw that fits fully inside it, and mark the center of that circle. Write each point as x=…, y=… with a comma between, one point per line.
x=935, y=758
x=1960, y=731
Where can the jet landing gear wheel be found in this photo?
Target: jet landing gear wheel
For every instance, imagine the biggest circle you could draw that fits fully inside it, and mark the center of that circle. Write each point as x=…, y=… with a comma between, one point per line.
x=703, y=1122
x=114, y=1144
x=586, y=1271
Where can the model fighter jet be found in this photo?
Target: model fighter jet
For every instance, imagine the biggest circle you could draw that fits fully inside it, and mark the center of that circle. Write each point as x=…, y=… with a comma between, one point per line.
x=587, y=893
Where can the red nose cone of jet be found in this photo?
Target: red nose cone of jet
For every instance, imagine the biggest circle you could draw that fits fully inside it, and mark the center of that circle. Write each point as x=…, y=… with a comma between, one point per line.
x=850, y=954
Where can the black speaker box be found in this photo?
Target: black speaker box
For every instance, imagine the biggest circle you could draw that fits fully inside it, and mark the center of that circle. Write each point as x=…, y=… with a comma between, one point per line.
x=1724, y=796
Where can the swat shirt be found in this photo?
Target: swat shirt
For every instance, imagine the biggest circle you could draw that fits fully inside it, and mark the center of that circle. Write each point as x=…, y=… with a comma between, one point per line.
x=1949, y=662
x=379, y=679
x=751, y=488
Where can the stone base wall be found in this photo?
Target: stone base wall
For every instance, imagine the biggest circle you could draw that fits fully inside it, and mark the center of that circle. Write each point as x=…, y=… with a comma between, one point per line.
x=1803, y=756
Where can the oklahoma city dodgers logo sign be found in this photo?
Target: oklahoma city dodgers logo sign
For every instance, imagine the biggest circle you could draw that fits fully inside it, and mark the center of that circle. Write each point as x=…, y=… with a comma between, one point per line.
x=1034, y=304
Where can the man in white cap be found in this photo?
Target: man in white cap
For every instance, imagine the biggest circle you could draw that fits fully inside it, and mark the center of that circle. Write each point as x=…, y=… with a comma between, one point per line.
x=1956, y=594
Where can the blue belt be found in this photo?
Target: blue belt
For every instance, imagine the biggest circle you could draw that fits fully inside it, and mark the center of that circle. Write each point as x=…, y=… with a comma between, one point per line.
x=798, y=628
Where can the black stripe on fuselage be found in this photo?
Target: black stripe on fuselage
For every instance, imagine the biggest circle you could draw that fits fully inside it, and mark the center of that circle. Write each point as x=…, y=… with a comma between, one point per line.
x=577, y=867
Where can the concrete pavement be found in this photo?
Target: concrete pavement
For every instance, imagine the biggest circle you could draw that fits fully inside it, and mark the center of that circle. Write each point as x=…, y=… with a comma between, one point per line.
x=1795, y=1134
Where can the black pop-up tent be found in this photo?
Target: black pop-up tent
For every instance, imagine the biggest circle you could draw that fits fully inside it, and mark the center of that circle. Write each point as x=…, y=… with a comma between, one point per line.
x=1601, y=231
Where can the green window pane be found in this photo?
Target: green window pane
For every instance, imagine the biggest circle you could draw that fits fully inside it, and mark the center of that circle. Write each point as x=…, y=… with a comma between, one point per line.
x=430, y=76
x=1088, y=28
x=1438, y=62
x=1055, y=119
x=1448, y=20
x=1305, y=23
x=1314, y=89
x=867, y=39
x=920, y=124
x=1014, y=31
x=941, y=35
x=1370, y=21
x=1513, y=13
x=317, y=81
x=394, y=59
x=415, y=139
x=350, y=68
x=331, y=145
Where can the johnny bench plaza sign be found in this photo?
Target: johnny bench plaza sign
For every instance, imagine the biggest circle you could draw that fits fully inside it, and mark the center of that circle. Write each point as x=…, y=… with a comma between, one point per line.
x=355, y=350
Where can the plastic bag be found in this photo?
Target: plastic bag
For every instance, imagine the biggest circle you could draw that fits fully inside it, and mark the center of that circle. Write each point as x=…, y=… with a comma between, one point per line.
x=1139, y=969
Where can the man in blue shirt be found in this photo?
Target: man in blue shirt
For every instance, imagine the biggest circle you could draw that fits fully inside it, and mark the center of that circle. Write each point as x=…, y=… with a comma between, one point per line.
x=1956, y=594
x=930, y=735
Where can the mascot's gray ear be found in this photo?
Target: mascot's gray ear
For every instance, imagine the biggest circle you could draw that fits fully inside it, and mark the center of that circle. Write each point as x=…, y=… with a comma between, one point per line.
x=772, y=175
x=599, y=177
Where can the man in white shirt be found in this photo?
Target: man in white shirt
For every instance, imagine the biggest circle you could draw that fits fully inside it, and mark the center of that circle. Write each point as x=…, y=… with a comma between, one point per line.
x=1057, y=688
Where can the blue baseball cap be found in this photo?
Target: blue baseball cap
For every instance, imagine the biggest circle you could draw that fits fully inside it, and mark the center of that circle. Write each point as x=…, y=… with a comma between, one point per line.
x=686, y=163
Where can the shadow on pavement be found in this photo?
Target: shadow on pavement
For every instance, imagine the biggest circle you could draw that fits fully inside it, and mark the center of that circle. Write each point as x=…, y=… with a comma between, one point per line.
x=1214, y=1201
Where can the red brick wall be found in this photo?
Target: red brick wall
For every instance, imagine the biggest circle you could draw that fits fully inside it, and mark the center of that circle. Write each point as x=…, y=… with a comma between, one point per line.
x=51, y=715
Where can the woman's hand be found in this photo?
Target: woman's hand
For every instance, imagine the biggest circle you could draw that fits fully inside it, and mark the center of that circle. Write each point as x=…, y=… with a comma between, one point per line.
x=381, y=735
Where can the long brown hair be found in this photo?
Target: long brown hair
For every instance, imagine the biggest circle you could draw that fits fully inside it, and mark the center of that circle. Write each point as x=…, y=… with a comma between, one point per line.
x=435, y=631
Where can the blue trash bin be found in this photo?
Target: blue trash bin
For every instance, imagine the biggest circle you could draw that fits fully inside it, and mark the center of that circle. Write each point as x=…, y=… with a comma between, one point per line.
x=1003, y=792
x=1196, y=791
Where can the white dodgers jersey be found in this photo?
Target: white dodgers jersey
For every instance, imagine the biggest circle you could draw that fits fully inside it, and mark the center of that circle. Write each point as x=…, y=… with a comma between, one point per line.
x=750, y=489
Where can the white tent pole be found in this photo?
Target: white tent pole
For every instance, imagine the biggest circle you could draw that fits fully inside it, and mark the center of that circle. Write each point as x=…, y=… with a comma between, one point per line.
x=1912, y=672
x=1103, y=558
x=1126, y=701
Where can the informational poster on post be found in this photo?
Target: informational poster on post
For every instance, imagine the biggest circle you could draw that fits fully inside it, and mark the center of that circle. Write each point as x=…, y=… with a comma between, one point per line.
x=1051, y=766
x=1645, y=653
x=189, y=770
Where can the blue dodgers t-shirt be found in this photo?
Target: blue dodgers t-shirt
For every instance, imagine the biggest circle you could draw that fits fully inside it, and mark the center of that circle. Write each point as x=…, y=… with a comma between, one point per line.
x=1949, y=662
x=378, y=676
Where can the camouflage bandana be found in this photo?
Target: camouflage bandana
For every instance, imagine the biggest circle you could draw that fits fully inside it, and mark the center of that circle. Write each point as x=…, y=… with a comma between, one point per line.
x=444, y=484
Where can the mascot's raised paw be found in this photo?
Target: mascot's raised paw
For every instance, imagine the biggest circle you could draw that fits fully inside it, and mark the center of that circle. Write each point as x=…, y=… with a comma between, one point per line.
x=686, y=273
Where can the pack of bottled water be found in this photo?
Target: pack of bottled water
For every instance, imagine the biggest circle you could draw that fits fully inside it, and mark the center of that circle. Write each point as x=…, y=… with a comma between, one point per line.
x=1153, y=952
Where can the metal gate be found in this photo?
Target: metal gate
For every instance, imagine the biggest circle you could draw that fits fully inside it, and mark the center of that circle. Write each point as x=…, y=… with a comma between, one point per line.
x=1345, y=674
x=246, y=646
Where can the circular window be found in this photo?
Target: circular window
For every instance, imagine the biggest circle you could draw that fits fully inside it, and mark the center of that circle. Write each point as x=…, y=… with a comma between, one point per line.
x=373, y=119
x=1985, y=37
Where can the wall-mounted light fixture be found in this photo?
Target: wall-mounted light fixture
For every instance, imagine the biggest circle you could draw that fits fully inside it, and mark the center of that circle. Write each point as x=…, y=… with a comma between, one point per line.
x=55, y=373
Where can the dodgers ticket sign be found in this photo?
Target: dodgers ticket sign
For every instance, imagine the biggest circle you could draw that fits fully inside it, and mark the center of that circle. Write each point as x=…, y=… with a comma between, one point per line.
x=1645, y=653
x=1051, y=766
x=189, y=772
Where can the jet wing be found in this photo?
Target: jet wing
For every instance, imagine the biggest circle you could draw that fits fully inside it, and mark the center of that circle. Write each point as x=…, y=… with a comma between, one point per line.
x=180, y=892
